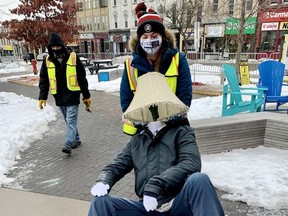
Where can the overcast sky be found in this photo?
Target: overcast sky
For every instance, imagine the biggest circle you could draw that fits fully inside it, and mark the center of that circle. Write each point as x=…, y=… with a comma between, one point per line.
x=5, y=5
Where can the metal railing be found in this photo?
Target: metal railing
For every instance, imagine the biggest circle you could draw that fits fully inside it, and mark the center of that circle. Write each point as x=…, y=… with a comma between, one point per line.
x=229, y=56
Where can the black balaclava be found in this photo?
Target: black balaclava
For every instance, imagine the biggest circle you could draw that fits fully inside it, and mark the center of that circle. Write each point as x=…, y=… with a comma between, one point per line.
x=56, y=40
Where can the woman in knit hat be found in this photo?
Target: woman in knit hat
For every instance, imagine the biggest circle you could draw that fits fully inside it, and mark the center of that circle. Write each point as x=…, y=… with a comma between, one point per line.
x=154, y=49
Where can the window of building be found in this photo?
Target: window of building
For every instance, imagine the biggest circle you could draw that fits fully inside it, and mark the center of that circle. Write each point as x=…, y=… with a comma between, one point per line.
x=135, y=23
x=95, y=23
x=87, y=4
x=125, y=2
x=268, y=39
x=215, y=6
x=125, y=18
x=231, y=7
x=103, y=22
x=134, y=1
x=88, y=24
x=115, y=20
x=103, y=3
x=106, y=22
x=115, y=3
x=273, y=1
x=282, y=33
x=285, y=1
x=80, y=5
x=249, y=5
x=98, y=23
x=94, y=3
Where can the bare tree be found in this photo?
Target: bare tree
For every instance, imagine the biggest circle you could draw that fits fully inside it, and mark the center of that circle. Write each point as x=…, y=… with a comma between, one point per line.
x=241, y=11
x=181, y=15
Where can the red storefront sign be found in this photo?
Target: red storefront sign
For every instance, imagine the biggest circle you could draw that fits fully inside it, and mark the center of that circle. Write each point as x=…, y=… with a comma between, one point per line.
x=274, y=16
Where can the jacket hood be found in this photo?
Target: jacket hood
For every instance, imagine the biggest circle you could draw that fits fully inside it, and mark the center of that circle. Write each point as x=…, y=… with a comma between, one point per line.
x=55, y=40
x=134, y=41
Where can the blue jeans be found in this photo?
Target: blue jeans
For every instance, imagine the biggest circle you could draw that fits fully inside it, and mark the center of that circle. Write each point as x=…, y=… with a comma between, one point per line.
x=70, y=114
x=197, y=198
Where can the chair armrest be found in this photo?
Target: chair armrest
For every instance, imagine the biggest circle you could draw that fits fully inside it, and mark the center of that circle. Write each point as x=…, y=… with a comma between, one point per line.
x=246, y=93
x=259, y=89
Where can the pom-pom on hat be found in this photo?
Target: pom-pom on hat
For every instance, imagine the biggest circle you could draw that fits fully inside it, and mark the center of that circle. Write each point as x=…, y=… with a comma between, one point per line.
x=148, y=20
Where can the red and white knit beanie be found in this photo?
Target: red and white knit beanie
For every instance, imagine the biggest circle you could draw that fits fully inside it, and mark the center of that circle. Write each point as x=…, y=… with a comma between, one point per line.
x=148, y=20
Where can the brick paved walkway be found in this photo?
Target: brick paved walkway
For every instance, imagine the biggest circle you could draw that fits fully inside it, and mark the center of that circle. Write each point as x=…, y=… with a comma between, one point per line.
x=44, y=169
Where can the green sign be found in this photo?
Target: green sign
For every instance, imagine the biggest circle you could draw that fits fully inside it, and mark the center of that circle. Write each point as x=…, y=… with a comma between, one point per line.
x=232, y=26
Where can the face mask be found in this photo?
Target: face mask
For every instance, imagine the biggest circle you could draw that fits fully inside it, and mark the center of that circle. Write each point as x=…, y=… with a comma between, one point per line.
x=58, y=53
x=151, y=46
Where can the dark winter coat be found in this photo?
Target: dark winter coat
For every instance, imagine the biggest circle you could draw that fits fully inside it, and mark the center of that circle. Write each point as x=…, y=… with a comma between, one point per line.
x=161, y=165
x=140, y=61
x=64, y=96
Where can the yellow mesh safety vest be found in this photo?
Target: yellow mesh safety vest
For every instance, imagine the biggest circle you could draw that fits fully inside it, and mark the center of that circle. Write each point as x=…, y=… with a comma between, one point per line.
x=71, y=75
x=171, y=78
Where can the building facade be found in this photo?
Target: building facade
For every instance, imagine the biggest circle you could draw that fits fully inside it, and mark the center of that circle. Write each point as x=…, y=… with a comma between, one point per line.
x=93, y=15
x=272, y=26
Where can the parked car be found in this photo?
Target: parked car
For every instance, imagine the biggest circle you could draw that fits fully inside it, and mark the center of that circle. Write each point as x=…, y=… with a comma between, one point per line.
x=28, y=57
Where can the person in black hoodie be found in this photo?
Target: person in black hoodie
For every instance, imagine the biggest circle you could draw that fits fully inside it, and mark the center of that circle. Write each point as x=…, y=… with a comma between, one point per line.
x=64, y=74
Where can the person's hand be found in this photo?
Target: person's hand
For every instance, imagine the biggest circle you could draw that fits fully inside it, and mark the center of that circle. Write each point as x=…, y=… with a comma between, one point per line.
x=150, y=203
x=42, y=103
x=100, y=189
x=87, y=103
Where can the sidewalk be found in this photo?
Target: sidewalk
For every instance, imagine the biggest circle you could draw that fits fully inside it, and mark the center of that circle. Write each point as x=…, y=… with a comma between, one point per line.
x=23, y=203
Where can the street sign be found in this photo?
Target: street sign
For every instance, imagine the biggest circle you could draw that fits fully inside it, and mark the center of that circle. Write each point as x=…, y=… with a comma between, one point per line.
x=244, y=72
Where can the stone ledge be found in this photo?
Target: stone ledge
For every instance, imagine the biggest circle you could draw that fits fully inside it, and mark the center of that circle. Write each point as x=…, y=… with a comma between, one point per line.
x=247, y=130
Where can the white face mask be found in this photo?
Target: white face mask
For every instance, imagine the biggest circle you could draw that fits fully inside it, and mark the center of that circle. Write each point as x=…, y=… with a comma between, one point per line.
x=151, y=46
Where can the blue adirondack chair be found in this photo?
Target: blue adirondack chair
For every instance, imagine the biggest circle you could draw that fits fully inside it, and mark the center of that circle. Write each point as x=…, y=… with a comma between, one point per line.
x=271, y=76
x=236, y=103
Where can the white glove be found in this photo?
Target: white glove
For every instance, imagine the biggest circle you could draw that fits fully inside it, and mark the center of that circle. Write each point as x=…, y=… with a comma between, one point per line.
x=100, y=189
x=150, y=203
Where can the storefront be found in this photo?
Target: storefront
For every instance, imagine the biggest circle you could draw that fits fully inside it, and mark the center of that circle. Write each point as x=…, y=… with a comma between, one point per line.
x=232, y=34
x=102, y=42
x=214, y=37
x=119, y=40
x=273, y=24
x=7, y=50
x=86, y=45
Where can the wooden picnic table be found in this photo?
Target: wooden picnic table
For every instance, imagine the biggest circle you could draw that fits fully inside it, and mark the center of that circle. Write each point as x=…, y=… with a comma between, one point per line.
x=86, y=62
x=101, y=64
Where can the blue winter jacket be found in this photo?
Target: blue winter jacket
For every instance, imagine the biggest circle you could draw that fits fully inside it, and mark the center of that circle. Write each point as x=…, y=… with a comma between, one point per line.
x=140, y=61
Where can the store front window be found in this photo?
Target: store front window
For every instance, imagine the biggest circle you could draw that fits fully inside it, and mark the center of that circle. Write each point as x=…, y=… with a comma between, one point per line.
x=279, y=39
x=268, y=40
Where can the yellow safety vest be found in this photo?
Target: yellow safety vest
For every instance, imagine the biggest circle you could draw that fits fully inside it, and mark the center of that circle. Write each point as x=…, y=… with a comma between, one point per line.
x=71, y=75
x=171, y=76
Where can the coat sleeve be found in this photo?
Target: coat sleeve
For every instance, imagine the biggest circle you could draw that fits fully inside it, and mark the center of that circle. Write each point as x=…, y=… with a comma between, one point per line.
x=184, y=82
x=43, y=82
x=118, y=168
x=189, y=162
x=126, y=95
x=81, y=77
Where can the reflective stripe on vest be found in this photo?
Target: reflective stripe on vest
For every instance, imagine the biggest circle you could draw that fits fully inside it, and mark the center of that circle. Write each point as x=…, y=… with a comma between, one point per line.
x=71, y=75
x=170, y=75
x=129, y=128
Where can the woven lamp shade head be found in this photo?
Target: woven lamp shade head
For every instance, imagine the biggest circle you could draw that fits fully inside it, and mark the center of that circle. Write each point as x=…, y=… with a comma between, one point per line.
x=153, y=92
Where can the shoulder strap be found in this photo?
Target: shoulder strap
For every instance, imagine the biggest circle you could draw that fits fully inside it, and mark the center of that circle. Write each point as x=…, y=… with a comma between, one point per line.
x=132, y=77
x=73, y=58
